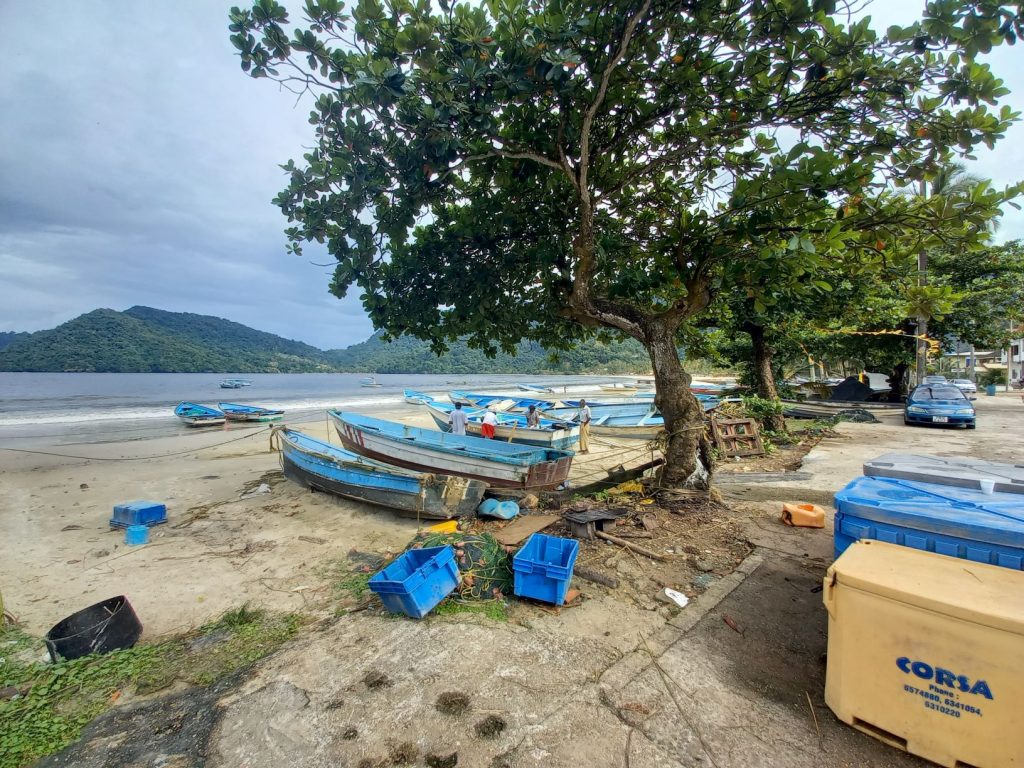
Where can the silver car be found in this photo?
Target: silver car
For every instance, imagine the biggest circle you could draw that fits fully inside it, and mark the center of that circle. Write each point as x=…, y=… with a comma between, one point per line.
x=965, y=385
x=933, y=380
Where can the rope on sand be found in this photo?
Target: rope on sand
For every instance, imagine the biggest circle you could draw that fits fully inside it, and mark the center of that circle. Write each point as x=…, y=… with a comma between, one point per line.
x=136, y=458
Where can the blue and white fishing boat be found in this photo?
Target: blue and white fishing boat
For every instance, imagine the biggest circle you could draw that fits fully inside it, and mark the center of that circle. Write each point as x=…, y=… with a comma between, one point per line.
x=196, y=415
x=511, y=427
x=237, y=412
x=499, y=402
x=500, y=464
x=235, y=383
x=324, y=467
x=416, y=398
x=534, y=388
x=369, y=381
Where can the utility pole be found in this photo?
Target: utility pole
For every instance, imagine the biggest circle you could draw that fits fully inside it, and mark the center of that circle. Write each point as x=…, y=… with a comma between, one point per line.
x=922, y=320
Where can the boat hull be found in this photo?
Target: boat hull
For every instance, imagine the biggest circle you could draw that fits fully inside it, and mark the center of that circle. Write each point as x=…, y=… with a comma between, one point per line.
x=396, y=451
x=816, y=409
x=202, y=421
x=431, y=497
x=557, y=439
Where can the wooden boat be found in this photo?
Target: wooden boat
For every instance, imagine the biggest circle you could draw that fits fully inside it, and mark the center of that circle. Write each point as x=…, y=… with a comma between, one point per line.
x=501, y=464
x=416, y=398
x=559, y=435
x=608, y=409
x=196, y=415
x=534, y=388
x=619, y=387
x=630, y=421
x=499, y=402
x=236, y=412
x=369, y=381
x=325, y=467
x=823, y=409
x=235, y=383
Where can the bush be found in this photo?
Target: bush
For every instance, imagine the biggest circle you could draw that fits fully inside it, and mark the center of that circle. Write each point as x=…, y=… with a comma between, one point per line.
x=991, y=376
x=760, y=408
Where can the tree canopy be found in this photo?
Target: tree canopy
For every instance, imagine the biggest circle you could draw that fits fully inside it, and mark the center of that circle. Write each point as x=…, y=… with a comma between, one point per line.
x=528, y=169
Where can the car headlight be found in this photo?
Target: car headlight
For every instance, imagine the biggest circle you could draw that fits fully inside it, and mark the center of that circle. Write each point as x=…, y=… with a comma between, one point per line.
x=964, y=411
x=916, y=409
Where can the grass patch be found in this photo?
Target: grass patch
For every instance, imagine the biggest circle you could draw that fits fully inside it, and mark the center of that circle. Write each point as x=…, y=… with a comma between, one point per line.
x=58, y=700
x=492, y=609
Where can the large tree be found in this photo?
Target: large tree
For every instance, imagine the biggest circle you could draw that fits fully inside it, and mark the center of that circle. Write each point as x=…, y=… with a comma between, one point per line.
x=530, y=169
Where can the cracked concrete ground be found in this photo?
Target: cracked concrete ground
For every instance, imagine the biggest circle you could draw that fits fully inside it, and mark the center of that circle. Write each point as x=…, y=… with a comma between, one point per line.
x=735, y=680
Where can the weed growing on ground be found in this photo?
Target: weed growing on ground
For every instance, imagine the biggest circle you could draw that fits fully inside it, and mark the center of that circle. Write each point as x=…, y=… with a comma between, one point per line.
x=492, y=609
x=56, y=701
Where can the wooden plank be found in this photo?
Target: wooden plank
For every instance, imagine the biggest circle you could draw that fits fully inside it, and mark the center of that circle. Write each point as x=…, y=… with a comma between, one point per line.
x=635, y=547
x=519, y=530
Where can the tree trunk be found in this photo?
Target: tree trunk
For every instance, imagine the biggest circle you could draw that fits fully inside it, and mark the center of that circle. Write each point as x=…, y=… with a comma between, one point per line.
x=764, y=378
x=687, y=455
x=896, y=379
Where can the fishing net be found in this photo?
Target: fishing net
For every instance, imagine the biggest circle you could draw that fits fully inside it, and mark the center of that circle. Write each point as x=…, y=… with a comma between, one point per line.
x=485, y=566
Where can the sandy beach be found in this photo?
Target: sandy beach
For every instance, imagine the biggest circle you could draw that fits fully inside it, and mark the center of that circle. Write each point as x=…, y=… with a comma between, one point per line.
x=222, y=545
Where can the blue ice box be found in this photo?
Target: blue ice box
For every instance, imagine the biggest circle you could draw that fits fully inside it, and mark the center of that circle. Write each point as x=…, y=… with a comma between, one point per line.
x=138, y=513
x=543, y=567
x=417, y=580
x=959, y=522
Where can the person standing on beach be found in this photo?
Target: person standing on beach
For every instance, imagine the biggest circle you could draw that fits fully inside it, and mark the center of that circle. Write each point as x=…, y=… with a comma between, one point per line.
x=532, y=417
x=489, y=423
x=458, y=420
x=584, y=419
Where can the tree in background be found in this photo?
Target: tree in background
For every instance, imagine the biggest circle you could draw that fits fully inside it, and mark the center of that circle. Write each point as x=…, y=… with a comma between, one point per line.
x=539, y=170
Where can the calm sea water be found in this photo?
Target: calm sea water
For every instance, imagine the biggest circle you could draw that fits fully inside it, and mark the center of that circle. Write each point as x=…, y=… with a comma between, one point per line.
x=69, y=408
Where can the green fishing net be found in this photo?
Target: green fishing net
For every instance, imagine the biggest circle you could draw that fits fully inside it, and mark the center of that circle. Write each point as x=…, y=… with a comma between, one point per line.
x=485, y=566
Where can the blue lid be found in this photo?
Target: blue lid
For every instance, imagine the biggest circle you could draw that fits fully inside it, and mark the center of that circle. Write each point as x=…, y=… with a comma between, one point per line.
x=996, y=518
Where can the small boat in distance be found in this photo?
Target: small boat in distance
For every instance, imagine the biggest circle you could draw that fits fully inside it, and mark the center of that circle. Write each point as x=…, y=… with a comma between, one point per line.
x=500, y=464
x=324, y=467
x=416, y=398
x=235, y=383
x=236, y=412
x=369, y=381
x=196, y=415
x=619, y=387
x=534, y=388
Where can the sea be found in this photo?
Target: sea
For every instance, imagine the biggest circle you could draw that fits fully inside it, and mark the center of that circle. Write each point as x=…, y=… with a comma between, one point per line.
x=88, y=408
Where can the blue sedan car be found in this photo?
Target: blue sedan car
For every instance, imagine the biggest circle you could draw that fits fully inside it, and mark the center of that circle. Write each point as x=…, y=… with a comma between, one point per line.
x=941, y=404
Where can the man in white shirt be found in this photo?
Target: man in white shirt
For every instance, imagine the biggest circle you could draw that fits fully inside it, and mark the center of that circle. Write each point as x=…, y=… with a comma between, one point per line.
x=584, y=419
x=489, y=423
x=458, y=420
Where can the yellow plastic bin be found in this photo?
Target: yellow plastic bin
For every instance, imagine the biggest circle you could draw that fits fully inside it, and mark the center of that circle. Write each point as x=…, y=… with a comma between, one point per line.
x=926, y=653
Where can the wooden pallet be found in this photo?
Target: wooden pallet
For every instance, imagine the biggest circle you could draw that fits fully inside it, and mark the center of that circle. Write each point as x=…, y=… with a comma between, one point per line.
x=737, y=437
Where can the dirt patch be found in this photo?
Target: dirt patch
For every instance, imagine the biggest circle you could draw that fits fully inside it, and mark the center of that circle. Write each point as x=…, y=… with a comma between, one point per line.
x=442, y=761
x=452, y=703
x=405, y=753
x=490, y=727
x=375, y=679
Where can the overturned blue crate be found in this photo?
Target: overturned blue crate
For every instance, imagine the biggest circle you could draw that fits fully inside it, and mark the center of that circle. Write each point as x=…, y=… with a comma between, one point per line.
x=543, y=567
x=146, y=513
x=416, y=581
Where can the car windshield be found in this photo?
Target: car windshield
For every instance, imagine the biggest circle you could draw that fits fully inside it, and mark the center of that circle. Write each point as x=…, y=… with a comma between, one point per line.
x=938, y=393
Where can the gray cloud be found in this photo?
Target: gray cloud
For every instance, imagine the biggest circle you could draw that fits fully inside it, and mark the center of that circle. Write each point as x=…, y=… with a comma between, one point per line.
x=137, y=165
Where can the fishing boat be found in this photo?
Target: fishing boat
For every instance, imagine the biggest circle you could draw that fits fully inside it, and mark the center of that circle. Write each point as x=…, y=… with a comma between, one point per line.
x=619, y=387
x=824, y=409
x=534, y=388
x=511, y=427
x=416, y=398
x=569, y=413
x=196, y=415
x=499, y=402
x=500, y=464
x=324, y=467
x=369, y=381
x=236, y=412
x=235, y=383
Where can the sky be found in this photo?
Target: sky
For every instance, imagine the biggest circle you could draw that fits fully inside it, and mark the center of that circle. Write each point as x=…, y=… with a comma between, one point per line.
x=138, y=162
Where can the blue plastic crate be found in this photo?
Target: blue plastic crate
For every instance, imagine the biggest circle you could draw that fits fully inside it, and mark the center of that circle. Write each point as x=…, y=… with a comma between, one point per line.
x=138, y=513
x=417, y=581
x=134, y=535
x=543, y=567
x=958, y=522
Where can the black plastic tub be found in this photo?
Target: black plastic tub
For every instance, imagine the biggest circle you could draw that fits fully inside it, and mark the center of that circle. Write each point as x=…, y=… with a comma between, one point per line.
x=101, y=628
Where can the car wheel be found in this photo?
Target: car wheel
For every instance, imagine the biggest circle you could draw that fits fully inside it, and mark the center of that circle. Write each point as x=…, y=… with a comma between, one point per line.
x=971, y=426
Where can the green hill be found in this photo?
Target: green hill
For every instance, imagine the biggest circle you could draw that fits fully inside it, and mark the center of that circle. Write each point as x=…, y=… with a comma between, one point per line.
x=144, y=340
x=408, y=355
x=147, y=340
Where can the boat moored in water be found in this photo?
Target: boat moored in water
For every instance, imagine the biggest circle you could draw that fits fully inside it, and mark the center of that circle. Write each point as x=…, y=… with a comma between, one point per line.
x=237, y=412
x=235, y=383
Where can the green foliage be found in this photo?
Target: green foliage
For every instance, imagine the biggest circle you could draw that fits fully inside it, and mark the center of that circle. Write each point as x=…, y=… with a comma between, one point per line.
x=9, y=337
x=760, y=408
x=144, y=340
x=408, y=355
x=58, y=700
x=492, y=609
x=992, y=376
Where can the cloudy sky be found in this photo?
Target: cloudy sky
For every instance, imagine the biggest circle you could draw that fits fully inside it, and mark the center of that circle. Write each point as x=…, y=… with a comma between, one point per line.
x=137, y=165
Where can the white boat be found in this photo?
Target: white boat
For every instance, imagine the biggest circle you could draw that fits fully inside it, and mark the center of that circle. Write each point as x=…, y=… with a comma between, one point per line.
x=620, y=388
x=511, y=427
x=369, y=381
